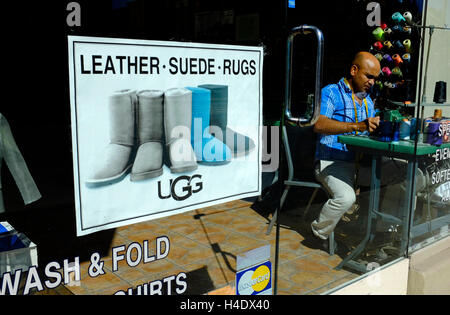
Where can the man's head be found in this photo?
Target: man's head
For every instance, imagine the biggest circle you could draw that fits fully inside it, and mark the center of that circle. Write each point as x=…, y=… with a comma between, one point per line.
x=364, y=71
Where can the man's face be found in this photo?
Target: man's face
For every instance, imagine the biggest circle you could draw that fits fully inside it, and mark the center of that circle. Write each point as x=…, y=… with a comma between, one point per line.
x=364, y=76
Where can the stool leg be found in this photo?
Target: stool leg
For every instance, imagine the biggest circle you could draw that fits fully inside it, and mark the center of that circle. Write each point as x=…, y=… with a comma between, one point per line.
x=331, y=244
x=274, y=217
x=313, y=196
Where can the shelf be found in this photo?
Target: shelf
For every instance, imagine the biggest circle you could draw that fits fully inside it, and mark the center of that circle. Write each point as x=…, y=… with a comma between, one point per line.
x=415, y=104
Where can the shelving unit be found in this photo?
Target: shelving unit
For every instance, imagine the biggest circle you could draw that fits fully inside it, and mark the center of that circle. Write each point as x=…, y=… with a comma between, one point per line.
x=395, y=45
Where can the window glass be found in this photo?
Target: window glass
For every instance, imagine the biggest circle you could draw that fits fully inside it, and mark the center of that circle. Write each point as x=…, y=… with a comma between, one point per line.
x=349, y=193
x=143, y=216
x=258, y=204
x=430, y=222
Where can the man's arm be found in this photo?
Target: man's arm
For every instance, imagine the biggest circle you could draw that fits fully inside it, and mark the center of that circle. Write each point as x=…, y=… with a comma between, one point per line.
x=325, y=125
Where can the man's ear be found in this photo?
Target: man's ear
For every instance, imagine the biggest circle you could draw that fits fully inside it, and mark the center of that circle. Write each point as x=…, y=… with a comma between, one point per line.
x=353, y=70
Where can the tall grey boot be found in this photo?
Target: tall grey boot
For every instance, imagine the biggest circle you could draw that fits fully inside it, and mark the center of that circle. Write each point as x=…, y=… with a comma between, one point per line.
x=149, y=158
x=239, y=144
x=117, y=159
x=177, y=122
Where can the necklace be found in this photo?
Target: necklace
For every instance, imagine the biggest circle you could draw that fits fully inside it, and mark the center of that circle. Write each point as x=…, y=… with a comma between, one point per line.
x=354, y=103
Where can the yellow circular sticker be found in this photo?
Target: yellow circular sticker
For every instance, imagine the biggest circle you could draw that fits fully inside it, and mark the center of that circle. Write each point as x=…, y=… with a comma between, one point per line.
x=261, y=278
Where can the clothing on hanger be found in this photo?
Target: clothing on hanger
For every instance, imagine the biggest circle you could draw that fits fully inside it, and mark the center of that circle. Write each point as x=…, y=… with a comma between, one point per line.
x=17, y=166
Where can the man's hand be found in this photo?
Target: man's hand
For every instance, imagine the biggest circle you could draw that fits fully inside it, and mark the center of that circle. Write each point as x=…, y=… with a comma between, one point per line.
x=372, y=123
x=325, y=125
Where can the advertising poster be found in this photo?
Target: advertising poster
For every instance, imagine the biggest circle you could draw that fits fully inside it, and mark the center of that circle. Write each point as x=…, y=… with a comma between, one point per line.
x=161, y=128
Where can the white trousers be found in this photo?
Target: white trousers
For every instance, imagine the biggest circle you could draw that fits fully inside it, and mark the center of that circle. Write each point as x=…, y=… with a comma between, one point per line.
x=338, y=177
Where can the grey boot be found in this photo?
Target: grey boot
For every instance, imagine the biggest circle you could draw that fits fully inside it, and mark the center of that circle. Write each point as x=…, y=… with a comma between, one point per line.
x=177, y=122
x=117, y=160
x=239, y=144
x=149, y=158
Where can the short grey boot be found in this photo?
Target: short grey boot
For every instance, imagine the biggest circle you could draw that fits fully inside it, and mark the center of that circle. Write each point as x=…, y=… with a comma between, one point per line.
x=117, y=159
x=149, y=157
x=177, y=123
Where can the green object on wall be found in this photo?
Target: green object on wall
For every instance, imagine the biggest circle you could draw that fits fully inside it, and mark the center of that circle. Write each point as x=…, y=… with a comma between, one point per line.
x=390, y=115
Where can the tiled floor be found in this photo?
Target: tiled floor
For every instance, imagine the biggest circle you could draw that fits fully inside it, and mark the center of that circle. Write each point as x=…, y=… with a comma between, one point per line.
x=204, y=244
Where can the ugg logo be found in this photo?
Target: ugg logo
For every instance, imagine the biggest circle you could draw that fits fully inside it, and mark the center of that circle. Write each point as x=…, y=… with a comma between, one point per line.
x=192, y=185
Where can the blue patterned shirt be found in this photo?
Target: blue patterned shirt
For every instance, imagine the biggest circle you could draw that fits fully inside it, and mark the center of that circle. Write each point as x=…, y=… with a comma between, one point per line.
x=337, y=104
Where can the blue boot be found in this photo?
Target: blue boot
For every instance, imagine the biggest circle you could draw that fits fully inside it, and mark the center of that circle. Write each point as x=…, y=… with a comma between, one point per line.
x=208, y=149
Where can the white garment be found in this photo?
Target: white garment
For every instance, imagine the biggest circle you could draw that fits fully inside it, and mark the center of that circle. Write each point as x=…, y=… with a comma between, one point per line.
x=338, y=178
x=10, y=152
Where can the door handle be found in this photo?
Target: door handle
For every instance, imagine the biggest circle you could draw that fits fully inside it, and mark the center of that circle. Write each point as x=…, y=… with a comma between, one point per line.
x=304, y=121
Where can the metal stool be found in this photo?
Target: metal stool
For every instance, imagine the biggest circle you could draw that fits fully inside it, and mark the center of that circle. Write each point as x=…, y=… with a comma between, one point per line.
x=293, y=182
x=302, y=121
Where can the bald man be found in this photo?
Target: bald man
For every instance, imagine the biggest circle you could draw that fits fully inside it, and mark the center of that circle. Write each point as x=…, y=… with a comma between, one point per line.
x=346, y=108
x=364, y=71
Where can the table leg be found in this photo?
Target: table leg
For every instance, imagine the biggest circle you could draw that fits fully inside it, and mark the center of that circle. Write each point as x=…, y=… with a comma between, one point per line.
x=410, y=197
x=374, y=200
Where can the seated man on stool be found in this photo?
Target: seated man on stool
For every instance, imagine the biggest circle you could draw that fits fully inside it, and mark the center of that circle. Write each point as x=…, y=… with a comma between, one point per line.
x=346, y=108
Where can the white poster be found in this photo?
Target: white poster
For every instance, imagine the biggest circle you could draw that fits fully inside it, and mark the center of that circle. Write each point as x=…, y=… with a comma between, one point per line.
x=161, y=128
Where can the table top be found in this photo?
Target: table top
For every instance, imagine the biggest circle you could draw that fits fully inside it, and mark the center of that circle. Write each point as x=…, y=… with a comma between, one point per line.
x=403, y=147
